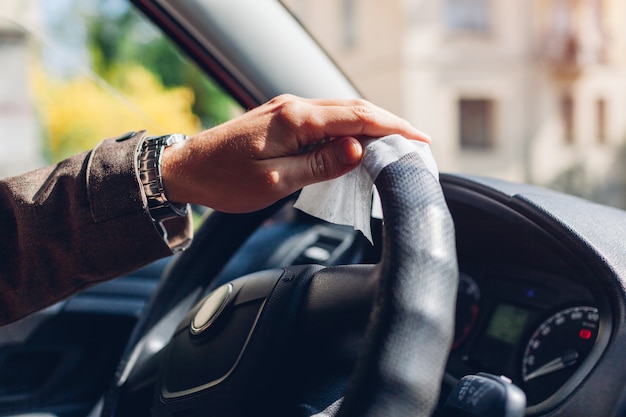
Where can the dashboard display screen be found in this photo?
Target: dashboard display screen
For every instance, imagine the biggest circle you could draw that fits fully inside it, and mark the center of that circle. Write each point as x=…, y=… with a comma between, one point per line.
x=507, y=323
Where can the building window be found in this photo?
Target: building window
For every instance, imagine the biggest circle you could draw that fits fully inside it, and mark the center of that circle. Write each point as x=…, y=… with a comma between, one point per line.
x=567, y=117
x=601, y=120
x=476, y=124
x=349, y=23
x=468, y=15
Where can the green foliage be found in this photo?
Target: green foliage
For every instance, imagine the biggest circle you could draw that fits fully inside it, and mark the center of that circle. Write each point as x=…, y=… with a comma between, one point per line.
x=124, y=38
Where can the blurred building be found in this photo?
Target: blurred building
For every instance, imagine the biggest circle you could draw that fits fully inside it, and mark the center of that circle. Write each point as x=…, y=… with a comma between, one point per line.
x=20, y=143
x=525, y=90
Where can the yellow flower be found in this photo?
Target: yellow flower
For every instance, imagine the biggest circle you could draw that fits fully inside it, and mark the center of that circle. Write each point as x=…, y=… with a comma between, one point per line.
x=77, y=113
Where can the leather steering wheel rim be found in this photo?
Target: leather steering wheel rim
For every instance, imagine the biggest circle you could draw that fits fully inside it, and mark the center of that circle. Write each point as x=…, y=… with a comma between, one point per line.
x=411, y=328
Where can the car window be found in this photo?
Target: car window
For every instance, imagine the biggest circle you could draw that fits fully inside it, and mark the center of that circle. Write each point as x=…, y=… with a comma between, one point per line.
x=74, y=72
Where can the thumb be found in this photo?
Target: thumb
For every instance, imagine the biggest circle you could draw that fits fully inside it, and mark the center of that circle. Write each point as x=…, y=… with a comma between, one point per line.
x=332, y=160
x=325, y=162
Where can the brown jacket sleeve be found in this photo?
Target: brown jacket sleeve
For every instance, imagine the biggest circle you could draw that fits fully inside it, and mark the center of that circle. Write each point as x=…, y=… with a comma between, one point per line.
x=68, y=226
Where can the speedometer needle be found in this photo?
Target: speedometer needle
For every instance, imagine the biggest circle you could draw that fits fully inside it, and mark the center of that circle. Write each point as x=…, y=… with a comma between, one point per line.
x=569, y=357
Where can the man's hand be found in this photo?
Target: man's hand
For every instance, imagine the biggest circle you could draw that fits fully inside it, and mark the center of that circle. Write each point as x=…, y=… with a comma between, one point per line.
x=269, y=152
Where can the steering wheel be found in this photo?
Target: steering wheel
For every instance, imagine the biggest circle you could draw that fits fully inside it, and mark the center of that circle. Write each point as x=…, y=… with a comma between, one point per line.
x=282, y=341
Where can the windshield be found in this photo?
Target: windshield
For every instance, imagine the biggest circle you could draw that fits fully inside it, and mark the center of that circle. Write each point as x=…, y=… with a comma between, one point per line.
x=524, y=91
x=531, y=92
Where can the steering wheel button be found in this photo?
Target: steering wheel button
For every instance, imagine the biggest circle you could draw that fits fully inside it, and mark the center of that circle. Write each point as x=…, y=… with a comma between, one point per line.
x=211, y=308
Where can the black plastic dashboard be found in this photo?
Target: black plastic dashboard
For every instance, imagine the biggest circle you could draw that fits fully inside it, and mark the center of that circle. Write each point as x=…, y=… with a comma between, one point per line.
x=550, y=269
x=529, y=306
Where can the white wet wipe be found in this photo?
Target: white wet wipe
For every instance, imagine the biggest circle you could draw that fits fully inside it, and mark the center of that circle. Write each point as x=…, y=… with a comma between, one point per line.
x=347, y=200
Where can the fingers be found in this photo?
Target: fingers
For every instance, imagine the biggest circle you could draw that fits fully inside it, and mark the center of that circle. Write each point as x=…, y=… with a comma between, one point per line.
x=366, y=120
x=315, y=119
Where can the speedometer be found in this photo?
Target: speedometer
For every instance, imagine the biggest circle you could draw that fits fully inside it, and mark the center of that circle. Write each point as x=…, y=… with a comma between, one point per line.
x=556, y=349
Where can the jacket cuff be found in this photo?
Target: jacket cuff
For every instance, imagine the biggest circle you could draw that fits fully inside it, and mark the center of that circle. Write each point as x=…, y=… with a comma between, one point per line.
x=115, y=190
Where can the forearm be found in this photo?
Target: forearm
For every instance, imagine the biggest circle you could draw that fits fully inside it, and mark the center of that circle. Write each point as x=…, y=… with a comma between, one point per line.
x=68, y=226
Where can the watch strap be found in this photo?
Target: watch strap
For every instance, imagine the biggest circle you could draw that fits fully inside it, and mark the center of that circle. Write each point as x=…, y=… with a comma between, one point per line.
x=149, y=171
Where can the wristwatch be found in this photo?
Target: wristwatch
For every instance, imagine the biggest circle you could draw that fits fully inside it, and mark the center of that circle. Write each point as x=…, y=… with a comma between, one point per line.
x=149, y=168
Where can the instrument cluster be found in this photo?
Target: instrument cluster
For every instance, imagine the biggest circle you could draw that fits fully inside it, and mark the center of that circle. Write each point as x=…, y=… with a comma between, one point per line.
x=533, y=328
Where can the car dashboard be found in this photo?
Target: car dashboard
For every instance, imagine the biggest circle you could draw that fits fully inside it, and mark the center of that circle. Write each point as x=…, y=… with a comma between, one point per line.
x=528, y=307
